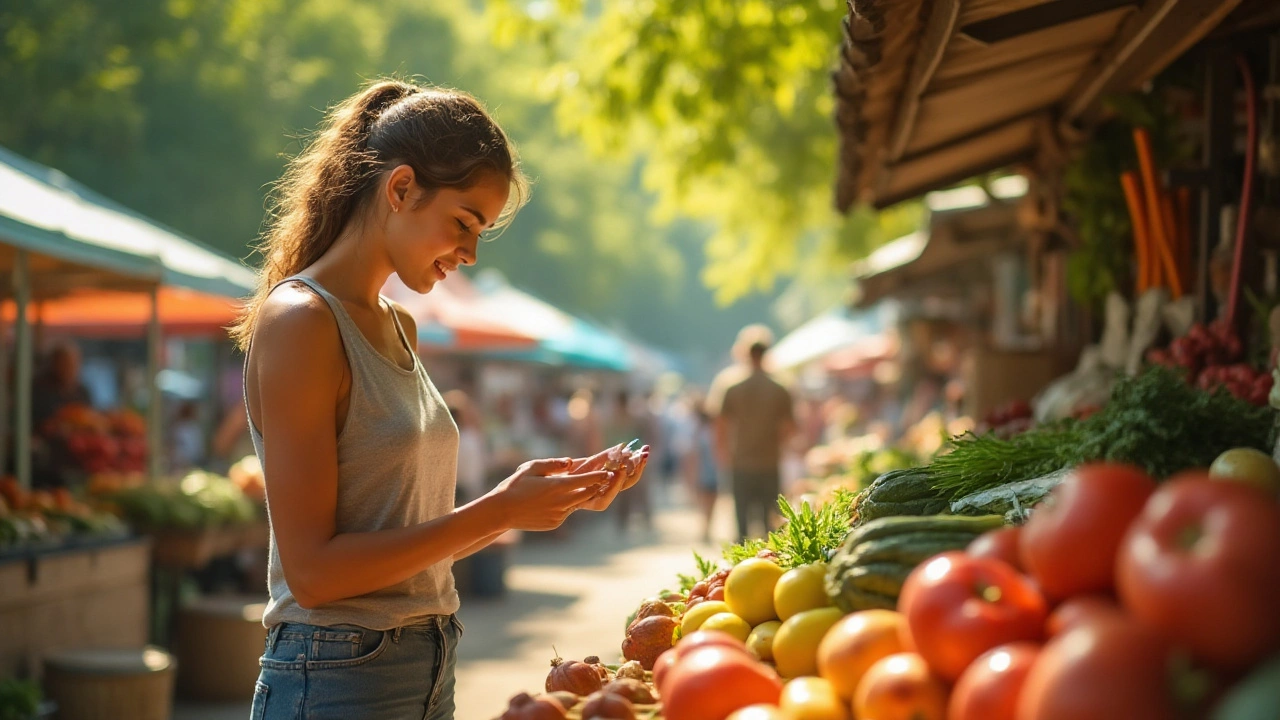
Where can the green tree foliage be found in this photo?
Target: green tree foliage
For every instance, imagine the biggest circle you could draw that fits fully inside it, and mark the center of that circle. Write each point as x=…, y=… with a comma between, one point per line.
x=729, y=102
x=186, y=109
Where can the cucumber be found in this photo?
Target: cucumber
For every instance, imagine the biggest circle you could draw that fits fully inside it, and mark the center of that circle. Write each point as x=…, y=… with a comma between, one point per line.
x=885, y=527
x=911, y=549
x=880, y=578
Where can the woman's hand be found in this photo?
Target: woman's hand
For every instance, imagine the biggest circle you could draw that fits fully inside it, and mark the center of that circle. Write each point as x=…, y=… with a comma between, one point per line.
x=628, y=474
x=542, y=493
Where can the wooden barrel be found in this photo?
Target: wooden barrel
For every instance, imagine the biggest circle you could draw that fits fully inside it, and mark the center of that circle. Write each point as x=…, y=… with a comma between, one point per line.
x=218, y=641
x=108, y=684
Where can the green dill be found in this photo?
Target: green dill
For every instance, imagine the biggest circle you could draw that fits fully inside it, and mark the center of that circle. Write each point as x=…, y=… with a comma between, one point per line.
x=1155, y=420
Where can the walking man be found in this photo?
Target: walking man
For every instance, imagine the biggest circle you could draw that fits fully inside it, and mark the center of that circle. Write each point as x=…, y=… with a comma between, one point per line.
x=753, y=421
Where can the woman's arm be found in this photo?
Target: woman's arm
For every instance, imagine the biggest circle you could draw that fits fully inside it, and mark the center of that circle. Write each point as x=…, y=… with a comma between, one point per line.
x=298, y=369
x=484, y=543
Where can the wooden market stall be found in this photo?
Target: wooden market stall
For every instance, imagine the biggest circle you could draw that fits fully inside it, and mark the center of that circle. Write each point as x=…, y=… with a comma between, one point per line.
x=931, y=94
x=73, y=259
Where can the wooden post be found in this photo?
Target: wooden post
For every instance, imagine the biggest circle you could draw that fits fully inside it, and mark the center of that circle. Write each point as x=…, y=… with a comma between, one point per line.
x=4, y=394
x=155, y=403
x=1219, y=126
x=22, y=370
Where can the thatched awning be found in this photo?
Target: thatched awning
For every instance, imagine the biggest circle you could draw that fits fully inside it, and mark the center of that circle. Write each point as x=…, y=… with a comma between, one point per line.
x=931, y=92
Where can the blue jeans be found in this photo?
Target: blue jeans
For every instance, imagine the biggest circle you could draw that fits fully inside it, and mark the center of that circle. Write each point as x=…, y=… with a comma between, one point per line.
x=343, y=672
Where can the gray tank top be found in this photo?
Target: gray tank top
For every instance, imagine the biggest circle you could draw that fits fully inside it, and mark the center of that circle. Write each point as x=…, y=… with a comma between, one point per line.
x=397, y=466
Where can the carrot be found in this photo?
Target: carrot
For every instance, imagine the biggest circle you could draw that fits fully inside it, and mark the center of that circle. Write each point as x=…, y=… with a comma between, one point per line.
x=1155, y=215
x=1141, y=239
x=1184, y=244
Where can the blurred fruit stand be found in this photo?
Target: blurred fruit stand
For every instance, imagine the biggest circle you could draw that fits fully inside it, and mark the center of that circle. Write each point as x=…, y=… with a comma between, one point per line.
x=76, y=562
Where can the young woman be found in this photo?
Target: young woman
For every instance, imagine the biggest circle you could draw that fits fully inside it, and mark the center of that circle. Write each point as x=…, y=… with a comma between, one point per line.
x=358, y=447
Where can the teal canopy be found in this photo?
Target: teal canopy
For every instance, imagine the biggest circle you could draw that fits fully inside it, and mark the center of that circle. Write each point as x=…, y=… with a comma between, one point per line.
x=45, y=212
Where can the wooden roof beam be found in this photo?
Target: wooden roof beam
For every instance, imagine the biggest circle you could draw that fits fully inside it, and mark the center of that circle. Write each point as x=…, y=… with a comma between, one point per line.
x=937, y=34
x=1147, y=42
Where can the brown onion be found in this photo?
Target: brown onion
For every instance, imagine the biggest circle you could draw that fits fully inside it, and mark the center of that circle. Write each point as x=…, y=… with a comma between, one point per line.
x=526, y=707
x=573, y=676
x=608, y=705
x=633, y=690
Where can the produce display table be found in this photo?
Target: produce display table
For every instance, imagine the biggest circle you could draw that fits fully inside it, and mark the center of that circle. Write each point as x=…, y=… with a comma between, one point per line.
x=86, y=594
x=193, y=549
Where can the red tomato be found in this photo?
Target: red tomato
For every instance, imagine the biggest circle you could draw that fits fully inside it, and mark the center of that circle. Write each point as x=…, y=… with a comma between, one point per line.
x=709, y=683
x=958, y=607
x=1069, y=543
x=999, y=544
x=1074, y=611
x=1200, y=565
x=989, y=688
x=1107, y=667
x=689, y=643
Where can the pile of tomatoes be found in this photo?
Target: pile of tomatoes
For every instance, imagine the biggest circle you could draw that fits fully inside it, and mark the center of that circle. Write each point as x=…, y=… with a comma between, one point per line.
x=1118, y=599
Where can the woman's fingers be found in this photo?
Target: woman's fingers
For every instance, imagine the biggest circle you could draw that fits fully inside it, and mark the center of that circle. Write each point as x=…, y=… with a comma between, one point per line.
x=595, y=462
x=581, y=481
x=547, y=466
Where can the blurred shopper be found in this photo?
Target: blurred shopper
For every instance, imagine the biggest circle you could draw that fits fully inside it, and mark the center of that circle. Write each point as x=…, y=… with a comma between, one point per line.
x=753, y=422
x=626, y=423
x=57, y=385
x=186, y=439
x=584, y=434
x=362, y=466
x=473, y=461
x=701, y=473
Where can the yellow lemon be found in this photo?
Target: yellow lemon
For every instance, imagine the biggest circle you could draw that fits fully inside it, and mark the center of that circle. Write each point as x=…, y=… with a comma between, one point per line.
x=727, y=622
x=749, y=590
x=760, y=641
x=812, y=698
x=795, y=646
x=801, y=589
x=698, y=614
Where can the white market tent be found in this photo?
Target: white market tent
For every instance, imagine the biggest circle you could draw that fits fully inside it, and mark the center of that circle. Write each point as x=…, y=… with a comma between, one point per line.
x=58, y=237
x=835, y=330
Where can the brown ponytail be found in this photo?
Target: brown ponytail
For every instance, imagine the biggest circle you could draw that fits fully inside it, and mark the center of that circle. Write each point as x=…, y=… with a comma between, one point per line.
x=444, y=135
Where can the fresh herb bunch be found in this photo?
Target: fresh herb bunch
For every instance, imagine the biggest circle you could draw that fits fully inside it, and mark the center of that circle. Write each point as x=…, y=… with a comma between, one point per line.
x=979, y=462
x=806, y=537
x=1164, y=425
x=1156, y=421
x=704, y=569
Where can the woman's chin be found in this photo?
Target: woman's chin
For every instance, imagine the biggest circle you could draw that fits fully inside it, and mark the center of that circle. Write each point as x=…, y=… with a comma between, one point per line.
x=423, y=285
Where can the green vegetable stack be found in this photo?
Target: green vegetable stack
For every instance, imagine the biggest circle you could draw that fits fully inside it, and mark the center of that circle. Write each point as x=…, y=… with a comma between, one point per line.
x=874, y=560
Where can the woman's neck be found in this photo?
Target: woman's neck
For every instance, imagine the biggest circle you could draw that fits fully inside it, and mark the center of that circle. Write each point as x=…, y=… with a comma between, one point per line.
x=355, y=268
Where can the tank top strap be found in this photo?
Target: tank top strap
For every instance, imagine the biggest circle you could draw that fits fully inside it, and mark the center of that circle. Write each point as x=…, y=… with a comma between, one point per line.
x=340, y=313
x=410, y=344
x=361, y=355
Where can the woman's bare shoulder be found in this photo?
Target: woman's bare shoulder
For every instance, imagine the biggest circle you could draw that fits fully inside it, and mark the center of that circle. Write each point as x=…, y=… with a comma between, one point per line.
x=294, y=318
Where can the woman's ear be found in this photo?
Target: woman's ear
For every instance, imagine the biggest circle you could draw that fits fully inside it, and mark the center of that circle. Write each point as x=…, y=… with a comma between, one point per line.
x=399, y=186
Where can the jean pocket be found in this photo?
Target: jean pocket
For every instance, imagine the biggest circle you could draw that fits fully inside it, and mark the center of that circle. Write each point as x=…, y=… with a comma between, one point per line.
x=260, y=692
x=340, y=653
x=457, y=625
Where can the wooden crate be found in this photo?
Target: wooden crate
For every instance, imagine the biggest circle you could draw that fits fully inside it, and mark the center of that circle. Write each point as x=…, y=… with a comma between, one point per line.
x=193, y=549
x=90, y=597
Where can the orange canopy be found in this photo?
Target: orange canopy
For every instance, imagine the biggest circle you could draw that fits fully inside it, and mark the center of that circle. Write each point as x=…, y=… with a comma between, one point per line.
x=100, y=313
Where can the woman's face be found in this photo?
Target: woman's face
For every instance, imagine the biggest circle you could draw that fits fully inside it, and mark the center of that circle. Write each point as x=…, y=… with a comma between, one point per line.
x=430, y=237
